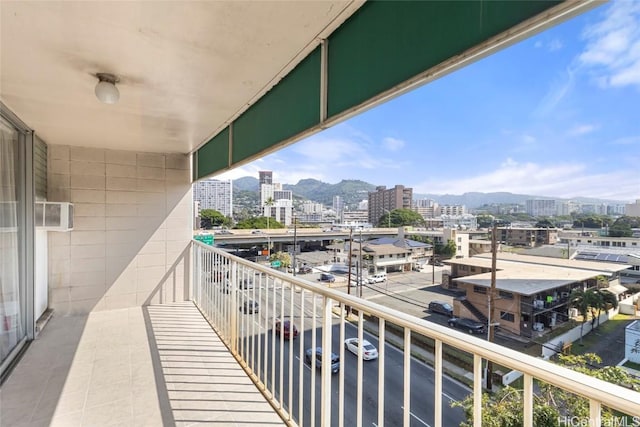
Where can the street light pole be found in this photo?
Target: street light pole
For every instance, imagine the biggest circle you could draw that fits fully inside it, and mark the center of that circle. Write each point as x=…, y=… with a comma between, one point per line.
x=388, y=217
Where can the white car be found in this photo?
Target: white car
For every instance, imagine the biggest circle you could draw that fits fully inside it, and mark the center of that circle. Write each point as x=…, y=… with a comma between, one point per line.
x=369, y=351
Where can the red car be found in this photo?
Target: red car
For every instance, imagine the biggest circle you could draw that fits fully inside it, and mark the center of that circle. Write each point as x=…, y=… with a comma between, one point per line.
x=285, y=327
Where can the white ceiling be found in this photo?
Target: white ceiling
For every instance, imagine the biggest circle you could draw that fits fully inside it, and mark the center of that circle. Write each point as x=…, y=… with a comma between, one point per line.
x=185, y=68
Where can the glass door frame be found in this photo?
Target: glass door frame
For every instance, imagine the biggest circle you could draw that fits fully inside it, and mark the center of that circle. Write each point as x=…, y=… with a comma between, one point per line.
x=26, y=236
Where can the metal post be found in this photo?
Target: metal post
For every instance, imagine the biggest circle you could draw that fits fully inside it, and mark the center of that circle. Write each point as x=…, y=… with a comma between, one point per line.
x=360, y=280
x=491, y=304
x=349, y=275
x=295, y=242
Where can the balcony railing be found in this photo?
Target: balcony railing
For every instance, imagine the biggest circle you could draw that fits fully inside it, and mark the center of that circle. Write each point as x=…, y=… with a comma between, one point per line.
x=395, y=389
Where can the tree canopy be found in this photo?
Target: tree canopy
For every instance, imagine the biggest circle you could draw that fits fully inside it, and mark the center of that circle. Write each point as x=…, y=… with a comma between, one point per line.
x=258, y=222
x=545, y=223
x=622, y=227
x=210, y=218
x=591, y=221
x=401, y=218
x=505, y=407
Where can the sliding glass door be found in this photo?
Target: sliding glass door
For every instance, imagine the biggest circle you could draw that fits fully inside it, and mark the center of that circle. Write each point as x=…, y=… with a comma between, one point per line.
x=13, y=295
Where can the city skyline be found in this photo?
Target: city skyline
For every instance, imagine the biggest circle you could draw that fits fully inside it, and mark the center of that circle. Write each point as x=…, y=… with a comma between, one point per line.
x=571, y=131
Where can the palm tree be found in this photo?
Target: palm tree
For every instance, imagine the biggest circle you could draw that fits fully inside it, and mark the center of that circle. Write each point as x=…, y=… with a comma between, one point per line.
x=582, y=300
x=604, y=299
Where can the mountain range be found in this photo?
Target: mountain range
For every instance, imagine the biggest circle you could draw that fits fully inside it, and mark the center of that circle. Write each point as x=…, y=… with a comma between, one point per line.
x=354, y=191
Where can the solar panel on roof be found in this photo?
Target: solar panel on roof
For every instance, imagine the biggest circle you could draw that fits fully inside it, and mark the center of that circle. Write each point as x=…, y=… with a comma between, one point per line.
x=602, y=256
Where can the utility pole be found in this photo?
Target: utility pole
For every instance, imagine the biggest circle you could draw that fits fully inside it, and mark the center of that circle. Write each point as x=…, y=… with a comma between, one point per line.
x=349, y=275
x=360, y=284
x=491, y=305
x=295, y=242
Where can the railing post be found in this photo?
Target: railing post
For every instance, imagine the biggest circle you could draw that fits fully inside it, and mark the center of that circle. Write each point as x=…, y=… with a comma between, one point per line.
x=233, y=307
x=325, y=375
x=527, y=413
x=437, y=413
x=595, y=408
x=407, y=377
x=477, y=391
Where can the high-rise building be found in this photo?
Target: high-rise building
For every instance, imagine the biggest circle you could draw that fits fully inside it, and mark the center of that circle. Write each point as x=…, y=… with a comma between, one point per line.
x=214, y=194
x=266, y=177
x=384, y=200
x=338, y=205
x=632, y=209
x=274, y=201
x=541, y=207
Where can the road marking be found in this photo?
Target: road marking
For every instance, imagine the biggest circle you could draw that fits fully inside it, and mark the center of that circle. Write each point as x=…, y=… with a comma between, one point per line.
x=305, y=363
x=416, y=417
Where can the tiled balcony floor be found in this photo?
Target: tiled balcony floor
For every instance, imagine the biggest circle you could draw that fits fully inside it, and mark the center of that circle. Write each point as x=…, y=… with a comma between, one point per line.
x=159, y=365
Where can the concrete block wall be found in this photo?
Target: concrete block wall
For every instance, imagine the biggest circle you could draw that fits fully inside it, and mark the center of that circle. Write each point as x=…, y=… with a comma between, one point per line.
x=132, y=228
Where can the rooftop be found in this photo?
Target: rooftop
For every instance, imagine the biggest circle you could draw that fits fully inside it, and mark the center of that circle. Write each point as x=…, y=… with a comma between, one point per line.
x=603, y=267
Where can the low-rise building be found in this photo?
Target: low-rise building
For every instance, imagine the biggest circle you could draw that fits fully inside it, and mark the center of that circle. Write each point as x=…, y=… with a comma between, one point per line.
x=528, y=237
x=532, y=293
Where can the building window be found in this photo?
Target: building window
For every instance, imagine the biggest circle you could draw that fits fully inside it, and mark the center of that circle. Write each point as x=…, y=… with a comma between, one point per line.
x=505, y=295
x=479, y=290
x=506, y=316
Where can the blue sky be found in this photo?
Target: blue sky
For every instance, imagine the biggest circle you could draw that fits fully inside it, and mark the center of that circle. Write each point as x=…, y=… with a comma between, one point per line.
x=555, y=115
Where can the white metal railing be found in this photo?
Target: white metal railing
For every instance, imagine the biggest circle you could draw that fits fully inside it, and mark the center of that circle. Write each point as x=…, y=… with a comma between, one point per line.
x=224, y=286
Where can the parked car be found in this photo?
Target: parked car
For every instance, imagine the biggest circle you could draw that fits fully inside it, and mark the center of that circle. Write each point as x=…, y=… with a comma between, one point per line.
x=369, y=351
x=378, y=278
x=246, y=284
x=469, y=325
x=305, y=269
x=335, y=360
x=327, y=277
x=285, y=327
x=249, y=307
x=441, y=307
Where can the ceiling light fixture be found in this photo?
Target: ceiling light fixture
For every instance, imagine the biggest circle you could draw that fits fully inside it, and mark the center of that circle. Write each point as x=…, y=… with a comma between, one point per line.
x=106, y=90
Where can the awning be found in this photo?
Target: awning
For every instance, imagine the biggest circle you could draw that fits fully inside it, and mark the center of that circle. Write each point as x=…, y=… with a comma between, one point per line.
x=616, y=289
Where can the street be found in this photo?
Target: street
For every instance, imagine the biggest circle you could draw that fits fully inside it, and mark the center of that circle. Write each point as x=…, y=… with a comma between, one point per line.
x=257, y=337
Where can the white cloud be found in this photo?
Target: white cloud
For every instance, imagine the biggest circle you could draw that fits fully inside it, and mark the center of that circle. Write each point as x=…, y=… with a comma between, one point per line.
x=560, y=87
x=528, y=139
x=613, y=46
x=554, y=45
x=581, y=129
x=322, y=157
x=392, y=144
x=559, y=180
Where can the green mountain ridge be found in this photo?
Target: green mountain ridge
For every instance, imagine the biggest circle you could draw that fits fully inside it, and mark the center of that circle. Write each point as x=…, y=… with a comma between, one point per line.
x=354, y=191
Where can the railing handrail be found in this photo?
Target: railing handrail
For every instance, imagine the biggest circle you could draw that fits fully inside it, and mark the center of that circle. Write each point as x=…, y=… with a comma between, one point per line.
x=610, y=395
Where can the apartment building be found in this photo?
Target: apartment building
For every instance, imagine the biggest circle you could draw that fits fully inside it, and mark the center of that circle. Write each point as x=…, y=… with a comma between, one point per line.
x=533, y=292
x=384, y=200
x=528, y=237
x=214, y=194
x=275, y=202
x=632, y=209
x=541, y=207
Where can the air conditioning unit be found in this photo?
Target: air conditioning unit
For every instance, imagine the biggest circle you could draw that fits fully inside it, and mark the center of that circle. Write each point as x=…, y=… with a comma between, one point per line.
x=54, y=216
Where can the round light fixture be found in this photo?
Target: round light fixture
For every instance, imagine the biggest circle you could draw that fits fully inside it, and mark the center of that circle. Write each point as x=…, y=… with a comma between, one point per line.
x=106, y=90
